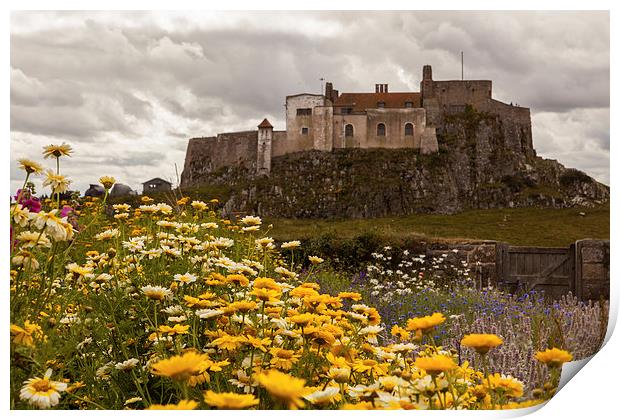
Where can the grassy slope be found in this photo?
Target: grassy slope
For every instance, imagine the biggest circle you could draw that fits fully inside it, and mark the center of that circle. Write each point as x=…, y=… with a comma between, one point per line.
x=523, y=226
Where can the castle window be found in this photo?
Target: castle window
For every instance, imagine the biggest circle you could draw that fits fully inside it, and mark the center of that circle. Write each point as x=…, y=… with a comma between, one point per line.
x=304, y=131
x=408, y=104
x=380, y=130
x=304, y=111
x=380, y=104
x=348, y=130
x=408, y=129
x=346, y=110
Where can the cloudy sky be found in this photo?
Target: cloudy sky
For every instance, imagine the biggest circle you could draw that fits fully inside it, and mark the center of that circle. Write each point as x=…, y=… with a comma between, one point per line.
x=128, y=89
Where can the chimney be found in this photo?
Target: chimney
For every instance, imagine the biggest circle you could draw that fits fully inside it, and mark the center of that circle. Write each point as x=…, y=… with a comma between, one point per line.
x=381, y=88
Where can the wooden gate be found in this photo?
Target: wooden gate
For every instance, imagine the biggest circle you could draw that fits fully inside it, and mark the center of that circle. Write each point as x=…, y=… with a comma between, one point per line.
x=523, y=269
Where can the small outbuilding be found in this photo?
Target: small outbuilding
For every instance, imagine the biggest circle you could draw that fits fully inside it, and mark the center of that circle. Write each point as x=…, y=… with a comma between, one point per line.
x=95, y=190
x=121, y=190
x=156, y=185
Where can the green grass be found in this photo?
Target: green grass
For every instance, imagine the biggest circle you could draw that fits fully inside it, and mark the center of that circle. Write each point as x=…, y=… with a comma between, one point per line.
x=522, y=226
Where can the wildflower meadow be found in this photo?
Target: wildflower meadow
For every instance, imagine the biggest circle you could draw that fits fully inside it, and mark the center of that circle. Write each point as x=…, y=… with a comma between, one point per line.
x=168, y=305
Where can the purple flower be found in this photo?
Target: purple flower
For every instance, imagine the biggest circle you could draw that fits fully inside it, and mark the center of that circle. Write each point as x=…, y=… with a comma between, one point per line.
x=65, y=211
x=28, y=201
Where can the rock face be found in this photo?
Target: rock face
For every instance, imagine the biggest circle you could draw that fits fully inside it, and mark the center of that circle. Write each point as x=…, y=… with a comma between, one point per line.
x=482, y=163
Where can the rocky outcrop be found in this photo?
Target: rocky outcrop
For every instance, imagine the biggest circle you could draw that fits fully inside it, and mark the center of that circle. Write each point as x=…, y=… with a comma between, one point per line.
x=482, y=163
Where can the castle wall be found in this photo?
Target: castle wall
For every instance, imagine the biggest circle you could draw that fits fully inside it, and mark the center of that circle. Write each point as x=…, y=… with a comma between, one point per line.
x=394, y=120
x=461, y=92
x=207, y=154
x=516, y=125
x=282, y=144
x=322, y=125
x=358, y=121
x=295, y=123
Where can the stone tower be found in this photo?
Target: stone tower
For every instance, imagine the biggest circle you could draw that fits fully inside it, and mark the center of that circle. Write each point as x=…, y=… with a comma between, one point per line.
x=263, y=152
x=429, y=99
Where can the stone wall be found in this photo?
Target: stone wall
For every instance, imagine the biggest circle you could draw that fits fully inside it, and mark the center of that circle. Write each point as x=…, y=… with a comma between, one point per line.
x=592, y=264
x=358, y=121
x=282, y=145
x=295, y=123
x=394, y=120
x=592, y=269
x=481, y=257
x=461, y=92
x=207, y=154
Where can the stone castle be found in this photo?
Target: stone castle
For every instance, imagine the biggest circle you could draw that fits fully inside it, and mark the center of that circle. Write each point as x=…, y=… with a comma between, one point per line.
x=334, y=120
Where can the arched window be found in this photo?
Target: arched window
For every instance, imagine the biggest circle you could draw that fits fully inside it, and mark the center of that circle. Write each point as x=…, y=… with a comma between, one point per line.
x=408, y=129
x=381, y=130
x=348, y=130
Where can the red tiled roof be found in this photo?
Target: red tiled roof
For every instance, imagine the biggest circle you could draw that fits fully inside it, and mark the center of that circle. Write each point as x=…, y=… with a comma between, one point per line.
x=265, y=124
x=362, y=101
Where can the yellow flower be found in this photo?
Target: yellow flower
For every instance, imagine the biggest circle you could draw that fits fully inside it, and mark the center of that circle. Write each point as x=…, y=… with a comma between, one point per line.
x=107, y=181
x=26, y=334
x=266, y=283
x=290, y=245
x=57, y=150
x=435, y=364
x=320, y=336
x=506, y=385
x=302, y=319
x=58, y=183
x=30, y=166
x=400, y=332
x=266, y=295
x=282, y=358
x=230, y=400
x=339, y=374
x=199, y=205
x=258, y=343
x=242, y=306
x=350, y=295
x=238, y=278
x=371, y=366
x=182, y=405
x=284, y=388
x=482, y=343
x=177, y=329
x=251, y=221
x=182, y=367
x=228, y=342
x=553, y=357
x=315, y=260
x=425, y=323
x=302, y=292
x=42, y=392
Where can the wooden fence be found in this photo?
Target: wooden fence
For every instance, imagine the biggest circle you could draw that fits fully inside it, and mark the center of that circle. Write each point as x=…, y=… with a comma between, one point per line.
x=581, y=269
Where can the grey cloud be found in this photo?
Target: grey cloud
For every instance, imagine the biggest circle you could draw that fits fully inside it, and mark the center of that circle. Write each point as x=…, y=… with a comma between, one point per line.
x=160, y=78
x=135, y=159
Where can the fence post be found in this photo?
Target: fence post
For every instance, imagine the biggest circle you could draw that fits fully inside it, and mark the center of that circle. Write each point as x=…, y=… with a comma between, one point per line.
x=500, y=250
x=592, y=269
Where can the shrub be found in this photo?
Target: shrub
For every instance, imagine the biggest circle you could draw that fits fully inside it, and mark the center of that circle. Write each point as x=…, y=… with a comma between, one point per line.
x=574, y=176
